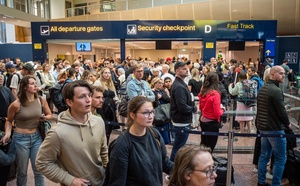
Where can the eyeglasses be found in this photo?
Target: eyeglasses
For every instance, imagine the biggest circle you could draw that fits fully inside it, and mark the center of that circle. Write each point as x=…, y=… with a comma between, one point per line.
x=147, y=114
x=209, y=172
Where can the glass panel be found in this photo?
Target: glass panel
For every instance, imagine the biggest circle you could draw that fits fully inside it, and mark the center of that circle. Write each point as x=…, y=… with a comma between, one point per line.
x=10, y=3
x=136, y=4
x=2, y=33
x=17, y=4
x=47, y=9
x=165, y=2
x=2, y=2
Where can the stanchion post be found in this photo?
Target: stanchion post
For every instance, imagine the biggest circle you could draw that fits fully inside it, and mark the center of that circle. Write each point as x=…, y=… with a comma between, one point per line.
x=229, y=157
x=230, y=148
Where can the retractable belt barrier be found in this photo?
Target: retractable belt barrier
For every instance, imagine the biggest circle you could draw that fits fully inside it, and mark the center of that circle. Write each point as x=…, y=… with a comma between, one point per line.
x=212, y=133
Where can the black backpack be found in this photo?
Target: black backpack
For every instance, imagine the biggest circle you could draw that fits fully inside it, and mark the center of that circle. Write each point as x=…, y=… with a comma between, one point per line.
x=9, y=78
x=56, y=97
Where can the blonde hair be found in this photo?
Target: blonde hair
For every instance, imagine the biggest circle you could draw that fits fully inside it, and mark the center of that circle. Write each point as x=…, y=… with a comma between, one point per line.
x=195, y=74
x=106, y=84
x=154, y=81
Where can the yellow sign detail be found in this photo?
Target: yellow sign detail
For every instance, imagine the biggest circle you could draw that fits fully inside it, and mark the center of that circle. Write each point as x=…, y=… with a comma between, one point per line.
x=239, y=26
x=37, y=45
x=209, y=45
x=159, y=28
x=67, y=29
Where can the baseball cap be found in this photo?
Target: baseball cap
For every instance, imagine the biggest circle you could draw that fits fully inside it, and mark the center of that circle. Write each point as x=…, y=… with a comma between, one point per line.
x=9, y=65
x=168, y=59
x=179, y=64
x=28, y=67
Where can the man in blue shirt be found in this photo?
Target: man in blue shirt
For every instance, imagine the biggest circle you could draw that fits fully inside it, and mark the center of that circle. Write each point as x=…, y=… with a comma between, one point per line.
x=137, y=86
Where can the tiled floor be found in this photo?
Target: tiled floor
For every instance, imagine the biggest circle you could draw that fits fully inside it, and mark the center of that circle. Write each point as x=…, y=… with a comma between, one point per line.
x=242, y=163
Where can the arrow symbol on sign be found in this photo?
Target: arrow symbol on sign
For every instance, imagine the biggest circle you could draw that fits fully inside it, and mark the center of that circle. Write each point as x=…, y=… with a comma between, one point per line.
x=268, y=52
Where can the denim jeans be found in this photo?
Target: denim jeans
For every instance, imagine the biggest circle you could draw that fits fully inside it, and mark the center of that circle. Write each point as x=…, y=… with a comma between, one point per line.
x=276, y=145
x=27, y=146
x=165, y=134
x=179, y=141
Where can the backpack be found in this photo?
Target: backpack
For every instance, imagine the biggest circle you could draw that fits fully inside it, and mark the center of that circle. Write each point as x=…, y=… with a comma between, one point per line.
x=259, y=81
x=40, y=78
x=123, y=105
x=56, y=97
x=248, y=93
x=9, y=78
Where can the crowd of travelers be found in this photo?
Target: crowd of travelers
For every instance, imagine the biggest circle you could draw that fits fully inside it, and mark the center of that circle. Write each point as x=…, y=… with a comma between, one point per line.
x=76, y=151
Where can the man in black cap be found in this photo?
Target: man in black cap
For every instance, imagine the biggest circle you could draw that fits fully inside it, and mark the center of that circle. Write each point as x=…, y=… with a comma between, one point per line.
x=10, y=70
x=182, y=107
x=16, y=78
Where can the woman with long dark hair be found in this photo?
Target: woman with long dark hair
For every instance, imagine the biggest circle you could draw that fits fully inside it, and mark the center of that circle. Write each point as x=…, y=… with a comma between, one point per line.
x=27, y=112
x=211, y=109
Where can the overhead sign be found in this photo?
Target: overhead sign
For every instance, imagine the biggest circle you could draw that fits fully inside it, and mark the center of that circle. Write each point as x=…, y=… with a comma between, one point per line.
x=270, y=47
x=193, y=29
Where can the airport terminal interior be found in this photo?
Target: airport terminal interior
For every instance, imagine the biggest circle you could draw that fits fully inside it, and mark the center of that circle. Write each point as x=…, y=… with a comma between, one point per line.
x=17, y=16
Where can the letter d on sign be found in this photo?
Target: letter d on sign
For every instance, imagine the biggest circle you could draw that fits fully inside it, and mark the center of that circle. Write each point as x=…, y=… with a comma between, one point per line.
x=207, y=28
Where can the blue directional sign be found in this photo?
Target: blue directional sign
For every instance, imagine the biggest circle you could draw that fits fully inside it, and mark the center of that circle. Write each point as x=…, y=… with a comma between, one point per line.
x=270, y=47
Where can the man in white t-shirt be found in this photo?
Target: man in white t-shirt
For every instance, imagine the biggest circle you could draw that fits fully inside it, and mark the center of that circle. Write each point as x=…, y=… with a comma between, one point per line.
x=165, y=73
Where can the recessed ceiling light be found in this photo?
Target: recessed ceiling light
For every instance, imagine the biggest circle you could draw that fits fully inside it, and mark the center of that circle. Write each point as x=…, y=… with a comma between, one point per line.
x=4, y=17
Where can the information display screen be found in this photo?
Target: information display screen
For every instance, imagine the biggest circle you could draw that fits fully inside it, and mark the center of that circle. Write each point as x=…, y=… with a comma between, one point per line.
x=84, y=47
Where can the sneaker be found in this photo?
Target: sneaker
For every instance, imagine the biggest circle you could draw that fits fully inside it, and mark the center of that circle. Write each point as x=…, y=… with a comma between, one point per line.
x=269, y=176
x=255, y=170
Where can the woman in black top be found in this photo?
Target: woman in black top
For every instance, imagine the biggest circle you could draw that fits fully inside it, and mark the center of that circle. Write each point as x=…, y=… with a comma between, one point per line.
x=138, y=156
x=162, y=96
x=195, y=84
x=108, y=111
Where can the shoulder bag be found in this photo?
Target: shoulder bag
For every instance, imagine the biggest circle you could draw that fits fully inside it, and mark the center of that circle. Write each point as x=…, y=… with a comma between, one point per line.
x=162, y=114
x=44, y=126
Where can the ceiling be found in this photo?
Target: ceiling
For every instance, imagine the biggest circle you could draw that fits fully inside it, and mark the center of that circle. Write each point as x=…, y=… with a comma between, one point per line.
x=115, y=44
x=13, y=21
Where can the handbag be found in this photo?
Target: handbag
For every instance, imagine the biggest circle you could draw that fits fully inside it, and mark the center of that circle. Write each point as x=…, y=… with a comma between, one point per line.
x=122, y=107
x=44, y=126
x=162, y=114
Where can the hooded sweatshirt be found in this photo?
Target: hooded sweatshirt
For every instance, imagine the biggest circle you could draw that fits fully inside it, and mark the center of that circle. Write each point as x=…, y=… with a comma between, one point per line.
x=210, y=105
x=74, y=150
